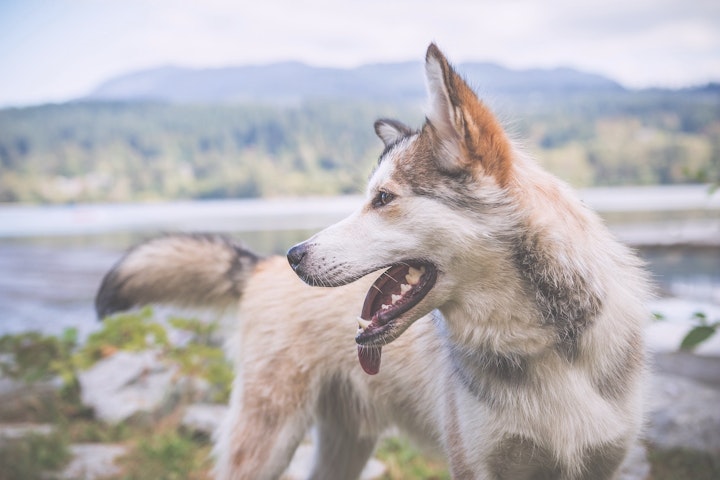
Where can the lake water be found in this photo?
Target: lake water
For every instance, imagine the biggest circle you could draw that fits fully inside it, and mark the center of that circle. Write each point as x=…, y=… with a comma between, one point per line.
x=52, y=259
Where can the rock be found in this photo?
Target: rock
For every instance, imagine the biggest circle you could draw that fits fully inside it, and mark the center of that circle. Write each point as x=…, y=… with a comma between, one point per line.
x=203, y=418
x=683, y=414
x=302, y=463
x=10, y=387
x=374, y=469
x=128, y=384
x=16, y=431
x=194, y=389
x=91, y=461
x=636, y=465
x=703, y=368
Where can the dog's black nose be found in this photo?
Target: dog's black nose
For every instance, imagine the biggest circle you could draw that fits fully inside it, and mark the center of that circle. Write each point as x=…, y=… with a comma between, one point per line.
x=296, y=254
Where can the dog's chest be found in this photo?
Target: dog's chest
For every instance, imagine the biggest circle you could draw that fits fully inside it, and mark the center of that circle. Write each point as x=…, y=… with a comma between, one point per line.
x=503, y=402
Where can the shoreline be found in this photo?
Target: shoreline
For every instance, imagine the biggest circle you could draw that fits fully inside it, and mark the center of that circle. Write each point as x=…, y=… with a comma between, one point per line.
x=640, y=216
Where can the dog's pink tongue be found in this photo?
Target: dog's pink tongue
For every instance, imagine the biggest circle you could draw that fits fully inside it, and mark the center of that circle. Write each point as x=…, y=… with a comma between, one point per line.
x=369, y=359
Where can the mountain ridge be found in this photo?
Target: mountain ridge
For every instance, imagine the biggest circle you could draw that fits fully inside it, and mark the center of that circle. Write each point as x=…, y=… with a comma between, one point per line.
x=293, y=81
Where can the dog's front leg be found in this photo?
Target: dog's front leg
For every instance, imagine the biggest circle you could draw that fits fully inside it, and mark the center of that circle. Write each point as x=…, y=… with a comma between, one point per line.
x=258, y=448
x=259, y=437
x=346, y=435
x=340, y=453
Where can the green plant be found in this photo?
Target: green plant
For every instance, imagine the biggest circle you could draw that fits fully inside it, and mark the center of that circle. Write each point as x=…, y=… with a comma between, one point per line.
x=32, y=456
x=199, y=358
x=168, y=456
x=683, y=464
x=700, y=332
x=133, y=331
x=33, y=357
x=404, y=461
x=88, y=430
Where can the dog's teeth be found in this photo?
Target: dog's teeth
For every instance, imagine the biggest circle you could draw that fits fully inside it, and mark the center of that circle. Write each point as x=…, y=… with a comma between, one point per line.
x=363, y=324
x=413, y=276
x=395, y=298
x=404, y=288
x=385, y=307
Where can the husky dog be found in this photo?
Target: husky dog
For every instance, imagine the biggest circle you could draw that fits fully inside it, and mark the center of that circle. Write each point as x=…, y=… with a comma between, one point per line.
x=476, y=304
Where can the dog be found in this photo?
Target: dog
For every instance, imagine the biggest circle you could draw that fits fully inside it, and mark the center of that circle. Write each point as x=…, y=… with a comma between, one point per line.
x=472, y=301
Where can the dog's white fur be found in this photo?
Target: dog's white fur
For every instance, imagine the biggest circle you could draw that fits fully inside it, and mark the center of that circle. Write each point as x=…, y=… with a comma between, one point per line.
x=523, y=361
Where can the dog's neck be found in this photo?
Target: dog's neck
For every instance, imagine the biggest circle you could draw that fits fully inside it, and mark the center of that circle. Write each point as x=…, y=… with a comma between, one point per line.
x=496, y=318
x=491, y=376
x=536, y=290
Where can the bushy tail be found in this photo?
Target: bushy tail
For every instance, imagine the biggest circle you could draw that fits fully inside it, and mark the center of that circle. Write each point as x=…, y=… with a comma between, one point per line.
x=187, y=270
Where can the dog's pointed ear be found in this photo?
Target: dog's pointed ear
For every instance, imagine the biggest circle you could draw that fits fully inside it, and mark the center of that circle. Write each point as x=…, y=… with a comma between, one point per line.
x=466, y=132
x=391, y=131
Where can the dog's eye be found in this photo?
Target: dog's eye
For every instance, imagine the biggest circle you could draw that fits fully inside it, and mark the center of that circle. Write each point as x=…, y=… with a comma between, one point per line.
x=382, y=199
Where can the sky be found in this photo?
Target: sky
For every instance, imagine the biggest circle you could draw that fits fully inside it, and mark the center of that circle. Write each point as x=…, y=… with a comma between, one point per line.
x=57, y=50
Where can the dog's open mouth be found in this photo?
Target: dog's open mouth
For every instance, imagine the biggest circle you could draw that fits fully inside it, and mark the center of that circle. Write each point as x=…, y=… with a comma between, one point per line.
x=396, y=291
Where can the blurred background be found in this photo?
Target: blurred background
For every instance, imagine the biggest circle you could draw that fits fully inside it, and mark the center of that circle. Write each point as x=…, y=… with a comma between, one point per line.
x=120, y=120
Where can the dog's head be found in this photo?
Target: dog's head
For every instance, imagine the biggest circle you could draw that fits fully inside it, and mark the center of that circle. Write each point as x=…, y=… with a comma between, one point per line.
x=434, y=204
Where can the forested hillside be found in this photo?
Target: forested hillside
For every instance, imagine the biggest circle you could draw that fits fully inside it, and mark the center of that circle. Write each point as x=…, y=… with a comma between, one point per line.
x=95, y=151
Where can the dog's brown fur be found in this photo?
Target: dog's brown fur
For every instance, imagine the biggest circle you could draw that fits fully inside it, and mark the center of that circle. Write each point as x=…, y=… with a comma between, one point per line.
x=524, y=360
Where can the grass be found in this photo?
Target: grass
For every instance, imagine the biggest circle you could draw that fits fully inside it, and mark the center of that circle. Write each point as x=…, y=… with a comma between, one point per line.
x=679, y=464
x=403, y=462
x=168, y=455
x=30, y=457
